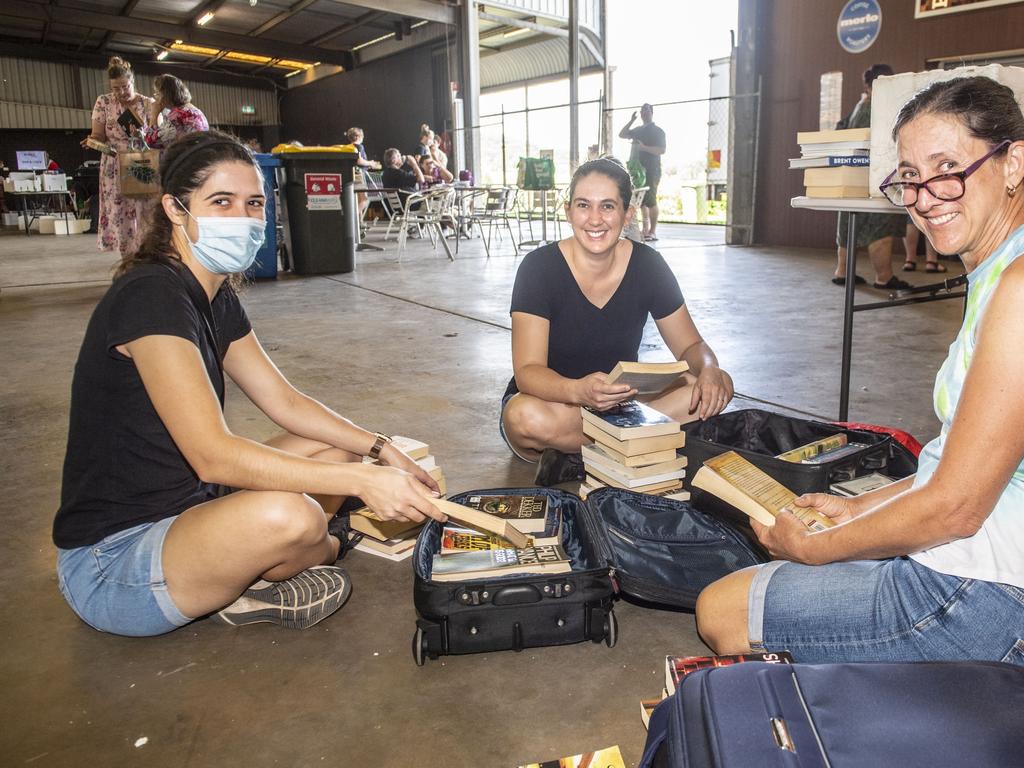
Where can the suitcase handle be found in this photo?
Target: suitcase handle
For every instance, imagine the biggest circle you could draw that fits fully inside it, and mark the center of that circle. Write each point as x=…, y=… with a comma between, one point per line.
x=518, y=594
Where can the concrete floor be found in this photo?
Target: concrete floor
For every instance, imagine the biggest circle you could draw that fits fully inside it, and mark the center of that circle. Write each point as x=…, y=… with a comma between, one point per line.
x=420, y=348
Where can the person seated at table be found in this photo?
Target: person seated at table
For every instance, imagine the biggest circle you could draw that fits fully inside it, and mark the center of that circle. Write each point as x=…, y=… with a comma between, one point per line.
x=930, y=567
x=166, y=514
x=434, y=173
x=401, y=173
x=579, y=306
x=426, y=138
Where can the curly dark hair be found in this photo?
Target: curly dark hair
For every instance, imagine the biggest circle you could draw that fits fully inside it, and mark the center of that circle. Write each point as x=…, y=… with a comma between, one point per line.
x=184, y=167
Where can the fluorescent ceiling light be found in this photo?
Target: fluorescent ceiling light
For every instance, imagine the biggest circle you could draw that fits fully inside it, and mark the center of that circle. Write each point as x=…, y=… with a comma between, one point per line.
x=514, y=32
x=161, y=56
x=205, y=18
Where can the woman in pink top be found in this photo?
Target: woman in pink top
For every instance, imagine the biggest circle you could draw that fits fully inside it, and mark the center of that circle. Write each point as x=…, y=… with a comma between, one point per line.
x=172, y=114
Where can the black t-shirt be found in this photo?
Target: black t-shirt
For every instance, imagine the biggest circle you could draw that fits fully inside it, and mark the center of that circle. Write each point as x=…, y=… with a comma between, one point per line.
x=652, y=136
x=583, y=339
x=399, y=178
x=122, y=468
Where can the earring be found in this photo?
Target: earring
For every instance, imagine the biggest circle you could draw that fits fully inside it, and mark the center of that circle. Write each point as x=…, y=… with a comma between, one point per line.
x=1011, y=190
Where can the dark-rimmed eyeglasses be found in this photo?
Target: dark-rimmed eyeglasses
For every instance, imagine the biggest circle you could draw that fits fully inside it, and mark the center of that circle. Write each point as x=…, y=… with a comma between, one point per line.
x=946, y=186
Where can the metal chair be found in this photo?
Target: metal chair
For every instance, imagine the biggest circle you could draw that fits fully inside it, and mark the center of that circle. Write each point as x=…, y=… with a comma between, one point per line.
x=495, y=210
x=426, y=211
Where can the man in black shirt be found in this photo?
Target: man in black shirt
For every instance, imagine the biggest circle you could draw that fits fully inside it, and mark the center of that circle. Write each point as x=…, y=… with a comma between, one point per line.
x=401, y=172
x=648, y=147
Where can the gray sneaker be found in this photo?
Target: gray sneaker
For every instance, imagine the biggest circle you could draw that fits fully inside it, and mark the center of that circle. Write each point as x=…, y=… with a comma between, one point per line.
x=295, y=603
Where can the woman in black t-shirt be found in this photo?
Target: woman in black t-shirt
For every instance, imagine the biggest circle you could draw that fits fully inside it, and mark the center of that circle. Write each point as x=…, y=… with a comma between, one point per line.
x=149, y=534
x=579, y=306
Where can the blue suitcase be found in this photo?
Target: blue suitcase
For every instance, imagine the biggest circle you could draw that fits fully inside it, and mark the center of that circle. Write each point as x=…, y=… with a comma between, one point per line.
x=842, y=715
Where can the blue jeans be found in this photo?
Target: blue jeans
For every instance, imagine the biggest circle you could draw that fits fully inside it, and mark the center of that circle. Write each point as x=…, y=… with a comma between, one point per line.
x=117, y=585
x=883, y=610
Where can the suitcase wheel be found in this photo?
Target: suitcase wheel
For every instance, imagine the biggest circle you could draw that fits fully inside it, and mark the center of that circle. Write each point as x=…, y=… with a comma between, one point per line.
x=611, y=630
x=419, y=647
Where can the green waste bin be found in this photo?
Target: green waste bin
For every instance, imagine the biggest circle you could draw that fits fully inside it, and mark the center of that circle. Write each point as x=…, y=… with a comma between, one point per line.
x=321, y=211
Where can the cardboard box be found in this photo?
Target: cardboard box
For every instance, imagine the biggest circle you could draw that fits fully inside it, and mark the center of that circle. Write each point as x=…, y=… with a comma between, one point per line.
x=70, y=227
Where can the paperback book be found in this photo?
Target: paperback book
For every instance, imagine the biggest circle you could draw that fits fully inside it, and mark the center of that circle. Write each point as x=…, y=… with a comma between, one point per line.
x=634, y=448
x=527, y=513
x=860, y=485
x=456, y=540
x=678, y=667
x=812, y=449
x=544, y=558
x=482, y=521
x=593, y=454
x=609, y=757
x=631, y=419
x=829, y=161
x=739, y=483
x=647, y=378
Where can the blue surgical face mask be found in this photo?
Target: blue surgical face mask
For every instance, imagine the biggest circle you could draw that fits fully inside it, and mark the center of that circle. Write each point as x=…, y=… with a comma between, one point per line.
x=226, y=244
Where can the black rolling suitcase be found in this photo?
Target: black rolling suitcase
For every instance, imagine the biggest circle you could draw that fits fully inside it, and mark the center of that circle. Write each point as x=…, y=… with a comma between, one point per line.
x=649, y=547
x=842, y=716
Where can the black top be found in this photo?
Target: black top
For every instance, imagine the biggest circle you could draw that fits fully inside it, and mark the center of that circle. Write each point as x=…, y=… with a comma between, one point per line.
x=122, y=468
x=583, y=339
x=652, y=136
x=399, y=178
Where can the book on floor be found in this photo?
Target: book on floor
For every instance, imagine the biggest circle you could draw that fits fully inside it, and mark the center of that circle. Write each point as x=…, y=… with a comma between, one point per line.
x=631, y=419
x=739, y=483
x=362, y=520
x=674, y=491
x=543, y=558
x=640, y=460
x=635, y=447
x=393, y=549
x=829, y=161
x=678, y=667
x=647, y=378
x=647, y=707
x=483, y=521
x=859, y=485
x=812, y=449
x=603, y=460
x=526, y=513
x=609, y=757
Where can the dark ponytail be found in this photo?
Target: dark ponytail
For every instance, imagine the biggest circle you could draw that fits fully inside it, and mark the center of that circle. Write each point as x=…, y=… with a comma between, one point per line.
x=184, y=167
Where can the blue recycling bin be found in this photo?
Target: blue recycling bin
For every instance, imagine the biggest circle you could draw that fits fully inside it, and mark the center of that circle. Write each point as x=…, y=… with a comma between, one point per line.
x=265, y=267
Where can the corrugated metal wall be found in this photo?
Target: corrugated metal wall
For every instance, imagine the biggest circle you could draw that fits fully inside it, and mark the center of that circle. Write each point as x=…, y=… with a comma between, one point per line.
x=40, y=94
x=547, y=58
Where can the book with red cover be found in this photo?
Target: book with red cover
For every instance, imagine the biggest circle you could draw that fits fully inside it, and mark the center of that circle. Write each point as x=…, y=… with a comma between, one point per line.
x=678, y=667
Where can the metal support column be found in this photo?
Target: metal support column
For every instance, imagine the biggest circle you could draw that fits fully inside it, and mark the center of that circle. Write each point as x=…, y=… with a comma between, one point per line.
x=469, y=56
x=574, y=85
x=743, y=119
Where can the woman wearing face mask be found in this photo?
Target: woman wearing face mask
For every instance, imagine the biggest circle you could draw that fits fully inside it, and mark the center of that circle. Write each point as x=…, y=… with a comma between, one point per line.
x=150, y=534
x=579, y=306
x=122, y=219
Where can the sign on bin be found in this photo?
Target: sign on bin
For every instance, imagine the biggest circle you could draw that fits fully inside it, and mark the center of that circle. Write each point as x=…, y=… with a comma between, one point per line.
x=323, y=191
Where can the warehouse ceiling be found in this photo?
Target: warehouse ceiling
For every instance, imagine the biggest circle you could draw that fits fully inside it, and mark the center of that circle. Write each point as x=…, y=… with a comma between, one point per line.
x=269, y=38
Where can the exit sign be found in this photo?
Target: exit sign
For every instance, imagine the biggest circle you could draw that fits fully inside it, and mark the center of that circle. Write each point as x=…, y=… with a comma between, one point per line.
x=248, y=109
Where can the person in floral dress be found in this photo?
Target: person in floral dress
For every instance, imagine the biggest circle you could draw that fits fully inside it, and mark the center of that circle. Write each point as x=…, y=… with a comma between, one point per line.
x=172, y=113
x=122, y=219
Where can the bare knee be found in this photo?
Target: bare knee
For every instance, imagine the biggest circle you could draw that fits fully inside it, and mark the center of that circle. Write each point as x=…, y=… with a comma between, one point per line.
x=722, y=613
x=290, y=519
x=529, y=423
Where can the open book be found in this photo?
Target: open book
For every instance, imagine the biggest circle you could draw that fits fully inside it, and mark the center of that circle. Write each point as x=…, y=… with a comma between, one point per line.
x=739, y=483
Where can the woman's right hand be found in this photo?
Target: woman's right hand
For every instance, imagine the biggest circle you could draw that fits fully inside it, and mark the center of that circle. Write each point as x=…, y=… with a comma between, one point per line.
x=394, y=494
x=839, y=508
x=595, y=391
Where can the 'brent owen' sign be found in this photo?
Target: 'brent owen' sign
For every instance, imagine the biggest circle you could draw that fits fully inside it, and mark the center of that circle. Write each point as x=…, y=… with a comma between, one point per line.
x=858, y=25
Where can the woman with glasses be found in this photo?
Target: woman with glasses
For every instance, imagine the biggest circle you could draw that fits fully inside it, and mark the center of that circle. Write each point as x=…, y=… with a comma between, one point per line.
x=875, y=231
x=930, y=567
x=122, y=219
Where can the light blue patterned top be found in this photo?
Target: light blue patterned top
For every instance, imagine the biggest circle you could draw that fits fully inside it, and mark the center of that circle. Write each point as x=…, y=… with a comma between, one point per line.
x=996, y=552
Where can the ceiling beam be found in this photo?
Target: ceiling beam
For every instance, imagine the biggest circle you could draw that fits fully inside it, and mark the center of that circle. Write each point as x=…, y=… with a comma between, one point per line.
x=417, y=9
x=366, y=18
x=282, y=16
x=125, y=11
x=523, y=24
x=155, y=30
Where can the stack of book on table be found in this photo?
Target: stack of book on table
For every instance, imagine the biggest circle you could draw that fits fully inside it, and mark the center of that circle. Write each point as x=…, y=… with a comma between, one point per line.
x=835, y=163
x=494, y=535
x=634, y=448
x=393, y=539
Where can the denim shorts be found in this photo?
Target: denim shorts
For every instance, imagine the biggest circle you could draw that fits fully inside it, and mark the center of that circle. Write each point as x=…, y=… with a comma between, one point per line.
x=883, y=610
x=501, y=426
x=117, y=585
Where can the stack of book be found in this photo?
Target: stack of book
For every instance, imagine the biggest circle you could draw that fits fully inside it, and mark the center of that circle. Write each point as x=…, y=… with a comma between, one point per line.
x=634, y=448
x=494, y=535
x=393, y=539
x=835, y=163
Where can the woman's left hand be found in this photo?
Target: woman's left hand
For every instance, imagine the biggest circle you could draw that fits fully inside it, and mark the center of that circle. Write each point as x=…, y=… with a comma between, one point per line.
x=712, y=392
x=393, y=457
x=788, y=539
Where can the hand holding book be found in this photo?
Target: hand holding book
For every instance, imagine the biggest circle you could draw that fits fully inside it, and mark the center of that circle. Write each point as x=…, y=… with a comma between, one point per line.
x=595, y=391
